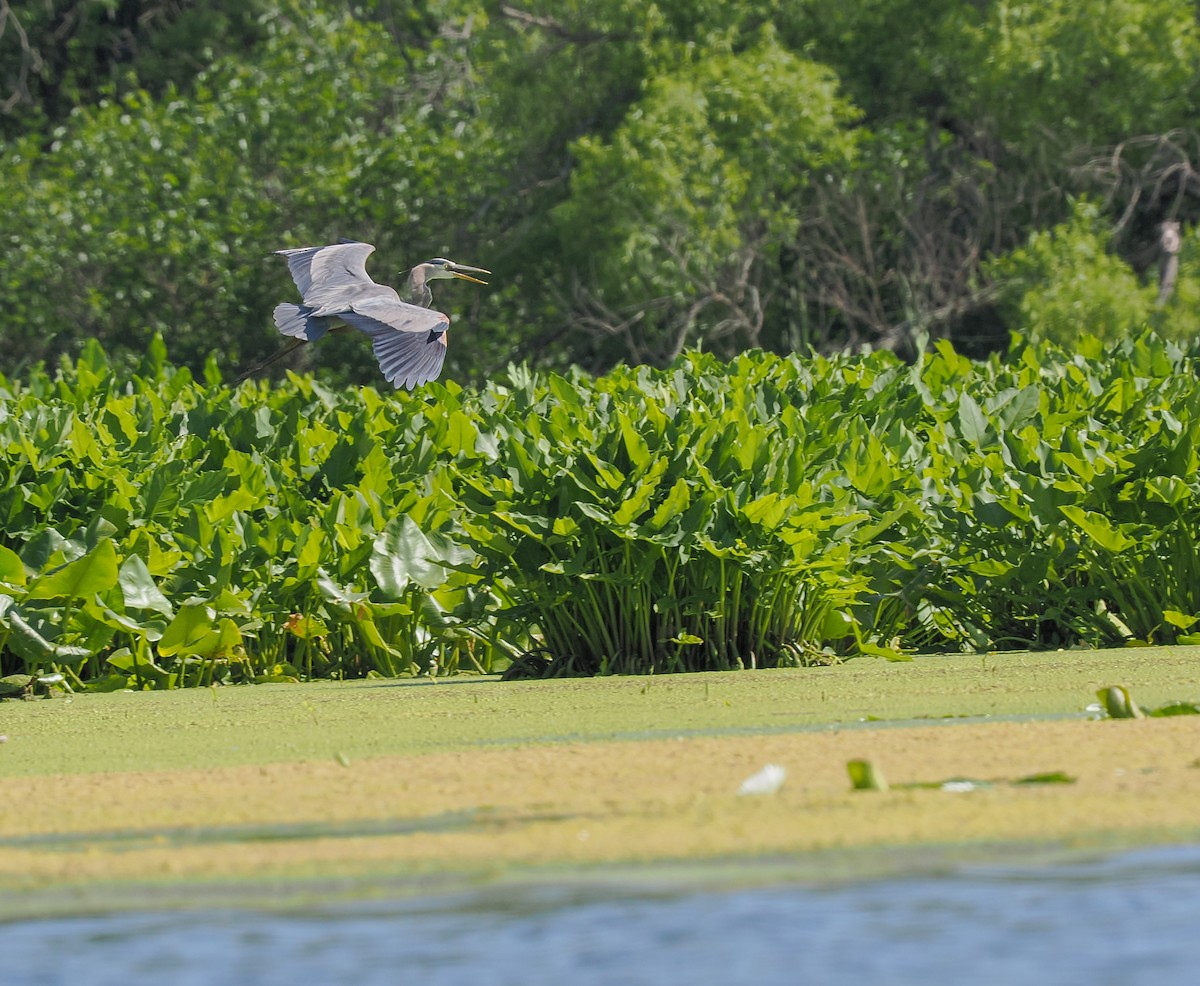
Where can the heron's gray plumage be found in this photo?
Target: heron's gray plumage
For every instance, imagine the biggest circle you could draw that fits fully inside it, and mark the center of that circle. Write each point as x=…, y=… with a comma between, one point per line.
x=409, y=339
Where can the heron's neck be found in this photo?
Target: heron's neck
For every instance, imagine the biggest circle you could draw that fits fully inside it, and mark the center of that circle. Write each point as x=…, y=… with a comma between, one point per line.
x=419, y=292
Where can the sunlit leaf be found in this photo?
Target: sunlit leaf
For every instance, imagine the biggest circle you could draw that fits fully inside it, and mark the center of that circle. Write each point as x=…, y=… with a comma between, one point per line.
x=192, y=631
x=1098, y=528
x=405, y=555
x=865, y=776
x=94, y=572
x=139, y=589
x=12, y=570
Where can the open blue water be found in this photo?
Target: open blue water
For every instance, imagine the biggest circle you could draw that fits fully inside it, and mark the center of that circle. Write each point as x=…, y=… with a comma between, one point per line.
x=1131, y=918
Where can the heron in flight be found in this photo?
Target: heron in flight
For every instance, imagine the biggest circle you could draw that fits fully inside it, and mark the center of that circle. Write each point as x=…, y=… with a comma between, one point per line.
x=336, y=294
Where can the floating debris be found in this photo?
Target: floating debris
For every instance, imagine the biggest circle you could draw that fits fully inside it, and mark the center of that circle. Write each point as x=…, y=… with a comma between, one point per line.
x=767, y=781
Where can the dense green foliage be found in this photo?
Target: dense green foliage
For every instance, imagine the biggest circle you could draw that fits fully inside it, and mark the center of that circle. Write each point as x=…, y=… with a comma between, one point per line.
x=160, y=531
x=643, y=177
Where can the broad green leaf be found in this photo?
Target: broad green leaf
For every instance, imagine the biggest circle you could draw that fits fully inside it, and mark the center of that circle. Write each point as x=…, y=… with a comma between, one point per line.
x=94, y=572
x=1098, y=528
x=229, y=637
x=972, y=425
x=111, y=682
x=12, y=569
x=1168, y=489
x=637, y=502
x=29, y=642
x=192, y=631
x=608, y=474
x=404, y=555
x=1020, y=408
x=769, y=510
x=221, y=508
x=140, y=670
x=674, y=505
x=461, y=433
x=308, y=550
x=635, y=446
x=1178, y=619
x=47, y=548
x=138, y=587
x=349, y=600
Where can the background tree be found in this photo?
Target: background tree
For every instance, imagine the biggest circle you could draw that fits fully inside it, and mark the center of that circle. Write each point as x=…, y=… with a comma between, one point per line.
x=642, y=177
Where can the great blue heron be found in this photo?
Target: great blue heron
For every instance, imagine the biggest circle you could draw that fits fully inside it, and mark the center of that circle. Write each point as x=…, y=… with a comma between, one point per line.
x=336, y=293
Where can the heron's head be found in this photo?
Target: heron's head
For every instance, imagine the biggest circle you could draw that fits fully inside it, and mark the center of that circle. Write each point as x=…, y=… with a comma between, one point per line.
x=440, y=267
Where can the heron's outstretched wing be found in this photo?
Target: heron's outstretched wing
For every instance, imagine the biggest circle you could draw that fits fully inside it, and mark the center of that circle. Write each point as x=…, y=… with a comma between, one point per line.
x=324, y=272
x=409, y=341
x=409, y=360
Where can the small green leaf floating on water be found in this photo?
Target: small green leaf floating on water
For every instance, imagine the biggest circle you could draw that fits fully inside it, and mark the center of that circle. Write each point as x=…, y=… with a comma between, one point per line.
x=1049, y=777
x=1118, y=703
x=865, y=776
x=1175, y=709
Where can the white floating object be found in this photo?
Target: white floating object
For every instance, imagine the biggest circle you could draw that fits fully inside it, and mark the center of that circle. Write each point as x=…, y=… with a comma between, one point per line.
x=767, y=781
x=960, y=787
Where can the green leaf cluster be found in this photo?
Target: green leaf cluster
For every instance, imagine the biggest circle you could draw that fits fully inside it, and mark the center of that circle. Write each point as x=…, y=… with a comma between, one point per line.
x=643, y=177
x=1066, y=282
x=159, y=532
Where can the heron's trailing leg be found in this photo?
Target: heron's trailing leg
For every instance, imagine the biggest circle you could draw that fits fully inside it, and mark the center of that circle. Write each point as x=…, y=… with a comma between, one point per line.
x=292, y=344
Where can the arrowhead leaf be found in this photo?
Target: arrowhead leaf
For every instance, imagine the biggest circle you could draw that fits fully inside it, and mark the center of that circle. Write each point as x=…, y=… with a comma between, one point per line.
x=94, y=572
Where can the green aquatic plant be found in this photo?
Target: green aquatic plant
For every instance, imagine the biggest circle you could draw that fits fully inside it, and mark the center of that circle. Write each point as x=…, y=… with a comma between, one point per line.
x=159, y=531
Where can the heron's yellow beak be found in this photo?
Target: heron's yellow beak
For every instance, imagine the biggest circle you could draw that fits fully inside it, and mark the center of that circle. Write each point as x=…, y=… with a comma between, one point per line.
x=458, y=270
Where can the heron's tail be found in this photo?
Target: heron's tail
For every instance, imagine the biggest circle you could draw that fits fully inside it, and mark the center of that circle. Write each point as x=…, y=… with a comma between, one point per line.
x=297, y=321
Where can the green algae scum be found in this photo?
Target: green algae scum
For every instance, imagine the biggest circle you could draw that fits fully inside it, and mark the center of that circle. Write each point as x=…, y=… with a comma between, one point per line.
x=285, y=789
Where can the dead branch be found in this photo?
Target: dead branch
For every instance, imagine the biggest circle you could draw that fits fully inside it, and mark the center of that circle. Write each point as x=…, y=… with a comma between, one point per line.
x=579, y=36
x=31, y=59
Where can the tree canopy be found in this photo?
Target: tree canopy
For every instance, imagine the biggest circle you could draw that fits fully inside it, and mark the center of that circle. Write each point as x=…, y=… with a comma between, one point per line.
x=641, y=177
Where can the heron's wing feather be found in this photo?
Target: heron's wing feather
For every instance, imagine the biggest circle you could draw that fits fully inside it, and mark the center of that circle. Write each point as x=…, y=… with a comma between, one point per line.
x=410, y=360
x=410, y=346
x=388, y=310
x=320, y=272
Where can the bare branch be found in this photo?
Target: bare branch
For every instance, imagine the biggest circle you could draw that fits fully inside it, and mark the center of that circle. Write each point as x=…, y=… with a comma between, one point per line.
x=555, y=27
x=31, y=59
x=1152, y=175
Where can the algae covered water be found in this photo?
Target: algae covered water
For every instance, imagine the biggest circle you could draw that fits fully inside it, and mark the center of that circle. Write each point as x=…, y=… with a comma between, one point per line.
x=1121, y=919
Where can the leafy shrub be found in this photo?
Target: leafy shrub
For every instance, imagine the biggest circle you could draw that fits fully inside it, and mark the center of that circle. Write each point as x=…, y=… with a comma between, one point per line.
x=159, y=531
x=1065, y=283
